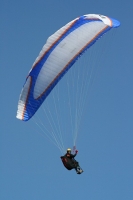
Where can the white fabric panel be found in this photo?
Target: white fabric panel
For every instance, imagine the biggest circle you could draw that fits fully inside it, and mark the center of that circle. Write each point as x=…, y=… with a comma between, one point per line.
x=105, y=19
x=64, y=53
x=53, y=38
x=23, y=97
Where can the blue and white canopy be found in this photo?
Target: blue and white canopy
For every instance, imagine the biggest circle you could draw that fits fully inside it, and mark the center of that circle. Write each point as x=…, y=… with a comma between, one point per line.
x=60, y=52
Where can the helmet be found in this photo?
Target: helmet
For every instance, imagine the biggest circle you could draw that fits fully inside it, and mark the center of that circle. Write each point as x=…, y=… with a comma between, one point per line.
x=68, y=150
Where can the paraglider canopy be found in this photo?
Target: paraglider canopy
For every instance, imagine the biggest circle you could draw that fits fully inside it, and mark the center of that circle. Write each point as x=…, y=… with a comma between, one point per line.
x=60, y=52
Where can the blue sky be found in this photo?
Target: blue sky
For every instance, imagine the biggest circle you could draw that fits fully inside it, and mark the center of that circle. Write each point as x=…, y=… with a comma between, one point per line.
x=30, y=166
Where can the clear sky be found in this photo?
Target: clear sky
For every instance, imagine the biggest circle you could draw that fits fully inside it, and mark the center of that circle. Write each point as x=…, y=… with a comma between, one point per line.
x=30, y=166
